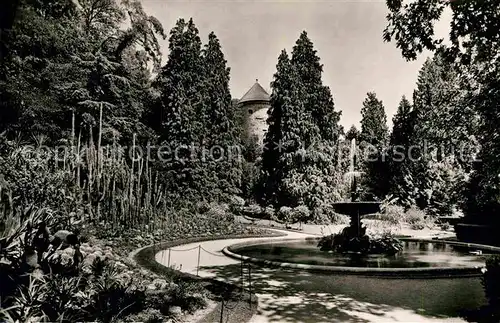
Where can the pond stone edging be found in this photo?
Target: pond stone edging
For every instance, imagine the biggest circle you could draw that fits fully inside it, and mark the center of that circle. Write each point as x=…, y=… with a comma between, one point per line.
x=417, y=272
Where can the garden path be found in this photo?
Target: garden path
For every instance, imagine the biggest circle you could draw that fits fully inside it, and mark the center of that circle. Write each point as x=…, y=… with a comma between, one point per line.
x=295, y=296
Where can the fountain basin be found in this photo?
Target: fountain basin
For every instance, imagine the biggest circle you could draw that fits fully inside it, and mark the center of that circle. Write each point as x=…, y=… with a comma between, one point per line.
x=356, y=208
x=420, y=258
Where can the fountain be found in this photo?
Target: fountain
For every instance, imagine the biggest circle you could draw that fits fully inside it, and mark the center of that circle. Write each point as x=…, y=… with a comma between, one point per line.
x=351, y=263
x=354, y=238
x=352, y=251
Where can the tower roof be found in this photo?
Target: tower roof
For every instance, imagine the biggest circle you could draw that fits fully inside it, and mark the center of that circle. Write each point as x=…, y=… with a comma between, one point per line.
x=256, y=93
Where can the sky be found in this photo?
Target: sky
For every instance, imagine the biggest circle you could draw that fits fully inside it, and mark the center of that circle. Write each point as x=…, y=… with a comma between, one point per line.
x=346, y=34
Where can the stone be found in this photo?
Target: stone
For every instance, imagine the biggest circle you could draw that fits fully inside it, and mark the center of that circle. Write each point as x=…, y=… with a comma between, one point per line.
x=64, y=238
x=160, y=283
x=237, y=200
x=175, y=310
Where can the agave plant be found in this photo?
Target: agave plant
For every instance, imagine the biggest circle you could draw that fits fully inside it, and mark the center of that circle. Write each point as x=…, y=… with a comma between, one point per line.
x=27, y=304
x=18, y=232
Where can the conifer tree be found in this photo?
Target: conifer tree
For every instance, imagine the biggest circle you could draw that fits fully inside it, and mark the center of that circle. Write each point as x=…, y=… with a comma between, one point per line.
x=373, y=138
x=352, y=133
x=297, y=166
x=374, y=129
x=273, y=150
x=318, y=100
x=400, y=184
x=220, y=120
x=443, y=127
x=181, y=109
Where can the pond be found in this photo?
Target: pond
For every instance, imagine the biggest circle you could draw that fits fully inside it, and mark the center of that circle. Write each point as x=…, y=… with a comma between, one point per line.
x=414, y=254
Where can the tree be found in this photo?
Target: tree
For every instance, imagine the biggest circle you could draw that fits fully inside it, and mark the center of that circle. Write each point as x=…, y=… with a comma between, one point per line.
x=400, y=184
x=179, y=117
x=318, y=99
x=374, y=129
x=352, y=133
x=298, y=163
x=69, y=60
x=474, y=29
x=221, y=119
x=443, y=127
x=282, y=86
x=373, y=138
x=474, y=35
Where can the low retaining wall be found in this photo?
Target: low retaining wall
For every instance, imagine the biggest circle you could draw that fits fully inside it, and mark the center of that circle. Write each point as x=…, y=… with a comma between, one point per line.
x=419, y=272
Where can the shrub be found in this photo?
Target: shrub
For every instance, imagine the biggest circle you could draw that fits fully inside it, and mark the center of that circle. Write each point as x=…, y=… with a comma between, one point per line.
x=285, y=214
x=417, y=219
x=394, y=214
x=301, y=213
x=268, y=212
x=324, y=214
x=188, y=296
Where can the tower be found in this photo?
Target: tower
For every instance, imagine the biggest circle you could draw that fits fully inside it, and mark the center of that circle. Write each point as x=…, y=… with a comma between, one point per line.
x=254, y=106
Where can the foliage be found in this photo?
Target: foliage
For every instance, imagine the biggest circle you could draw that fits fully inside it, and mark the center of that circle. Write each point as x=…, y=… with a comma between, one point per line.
x=373, y=139
x=346, y=241
x=64, y=64
x=373, y=122
x=352, y=133
x=318, y=102
x=396, y=215
x=399, y=144
x=474, y=37
x=482, y=191
x=298, y=162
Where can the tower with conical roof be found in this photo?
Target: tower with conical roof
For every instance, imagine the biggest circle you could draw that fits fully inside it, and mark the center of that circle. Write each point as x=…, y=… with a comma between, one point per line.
x=254, y=105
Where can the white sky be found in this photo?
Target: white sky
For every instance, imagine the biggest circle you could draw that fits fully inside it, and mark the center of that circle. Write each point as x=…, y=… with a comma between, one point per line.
x=346, y=34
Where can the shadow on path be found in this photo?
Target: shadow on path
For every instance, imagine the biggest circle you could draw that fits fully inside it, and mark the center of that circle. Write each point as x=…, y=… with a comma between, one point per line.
x=297, y=296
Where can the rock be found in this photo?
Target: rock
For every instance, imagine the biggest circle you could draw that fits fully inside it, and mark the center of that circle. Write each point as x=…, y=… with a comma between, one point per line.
x=160, y=283
x=151, y=287
x=64, y=238
x=138, y=238
x=237, y=200
x=120, y=264
x=175, y=310
x=172, y=285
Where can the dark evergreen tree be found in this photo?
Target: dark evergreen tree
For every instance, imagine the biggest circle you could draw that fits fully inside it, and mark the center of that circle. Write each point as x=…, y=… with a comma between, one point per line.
x=443, y=127
x=400, y=185
x=373, y=140
x=222, y=137
x=473, y=51
x=352, y=133
x=374, y=129
x=181, y=111
x=273, y=150
x=298, y=164
x=318, y=100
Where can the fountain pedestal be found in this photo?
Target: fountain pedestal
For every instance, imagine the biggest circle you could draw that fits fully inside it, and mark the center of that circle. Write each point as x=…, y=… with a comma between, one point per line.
x=355, y=210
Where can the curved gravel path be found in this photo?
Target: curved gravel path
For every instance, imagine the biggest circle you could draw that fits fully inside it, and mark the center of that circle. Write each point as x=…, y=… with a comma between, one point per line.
x=295, y=296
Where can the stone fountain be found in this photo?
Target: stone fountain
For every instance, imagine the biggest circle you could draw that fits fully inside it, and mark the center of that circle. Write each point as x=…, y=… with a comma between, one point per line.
x=353, y=238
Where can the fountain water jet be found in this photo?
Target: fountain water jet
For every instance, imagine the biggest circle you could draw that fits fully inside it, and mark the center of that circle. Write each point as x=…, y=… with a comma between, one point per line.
x=353, y=238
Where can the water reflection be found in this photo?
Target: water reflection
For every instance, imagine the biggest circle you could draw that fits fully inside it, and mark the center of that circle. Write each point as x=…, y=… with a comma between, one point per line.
x=414, y=254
